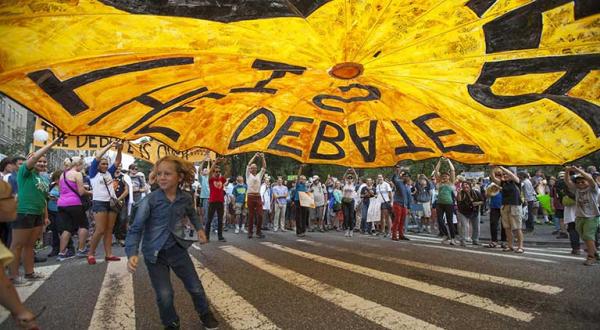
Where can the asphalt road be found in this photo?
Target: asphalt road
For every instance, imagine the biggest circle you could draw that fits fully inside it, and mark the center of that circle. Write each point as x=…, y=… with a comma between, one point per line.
x=327, y=281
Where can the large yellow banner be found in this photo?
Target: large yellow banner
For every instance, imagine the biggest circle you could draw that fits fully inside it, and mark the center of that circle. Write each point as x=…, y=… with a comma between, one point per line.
x=349, y=82
x=150, y=151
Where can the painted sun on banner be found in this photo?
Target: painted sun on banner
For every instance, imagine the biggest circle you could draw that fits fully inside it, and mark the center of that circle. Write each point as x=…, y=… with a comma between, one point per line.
x=349, y=82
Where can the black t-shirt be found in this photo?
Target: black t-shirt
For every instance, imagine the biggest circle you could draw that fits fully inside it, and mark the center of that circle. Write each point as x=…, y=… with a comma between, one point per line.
x=119, y=185
x=511, y=194
x=366, y=193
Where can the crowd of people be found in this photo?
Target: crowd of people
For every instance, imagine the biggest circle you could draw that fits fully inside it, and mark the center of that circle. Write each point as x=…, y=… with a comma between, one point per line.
x=180, y=204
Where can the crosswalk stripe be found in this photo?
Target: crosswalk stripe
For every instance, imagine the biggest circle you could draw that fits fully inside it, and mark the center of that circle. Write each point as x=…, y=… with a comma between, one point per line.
x=548, y=289
x=502, y=255
x=115, y=307
x=26, y=291
x=381, y=315
x=237, y=311
x=450, y=294
x=528, y=249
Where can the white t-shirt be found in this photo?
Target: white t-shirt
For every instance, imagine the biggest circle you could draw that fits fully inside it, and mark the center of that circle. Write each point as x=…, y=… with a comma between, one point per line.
x=254, y=181
x=265, y=196
x=318, y=191
x=348, y=191
x=383, y=191
x=99, y=188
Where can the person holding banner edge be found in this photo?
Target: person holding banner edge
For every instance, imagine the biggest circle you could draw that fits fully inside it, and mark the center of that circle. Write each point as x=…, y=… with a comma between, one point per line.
x=105, y=203
x=32, y=213
x=216, y=200
x=254, y=180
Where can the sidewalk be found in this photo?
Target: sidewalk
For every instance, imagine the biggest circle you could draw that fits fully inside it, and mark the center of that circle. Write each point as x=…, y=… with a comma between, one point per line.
x=542, y=235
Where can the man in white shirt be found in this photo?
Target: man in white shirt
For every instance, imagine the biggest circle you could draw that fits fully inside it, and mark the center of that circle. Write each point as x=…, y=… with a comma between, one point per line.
x=254, y=180
x=316, y=215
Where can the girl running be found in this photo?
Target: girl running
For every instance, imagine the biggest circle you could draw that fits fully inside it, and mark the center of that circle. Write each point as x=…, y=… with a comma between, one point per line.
x=160, y=223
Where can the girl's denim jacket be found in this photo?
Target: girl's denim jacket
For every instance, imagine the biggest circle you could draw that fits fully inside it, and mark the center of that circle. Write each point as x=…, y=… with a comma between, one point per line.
x=156, y=218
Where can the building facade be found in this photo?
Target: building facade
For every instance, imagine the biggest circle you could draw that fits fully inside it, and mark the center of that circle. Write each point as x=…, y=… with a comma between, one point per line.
x=13, y=122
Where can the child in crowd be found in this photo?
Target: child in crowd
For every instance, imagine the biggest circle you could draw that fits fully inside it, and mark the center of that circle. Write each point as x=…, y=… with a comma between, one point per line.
x=161, y=218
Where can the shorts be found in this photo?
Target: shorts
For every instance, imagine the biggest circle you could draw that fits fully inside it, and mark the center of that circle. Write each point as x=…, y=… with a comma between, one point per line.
x=101, y=206
x=72, y=218
x=426, y=210
x=316, y=213
x=239, y=209
x=587, y=227
x=27, y=221
x=511, y=217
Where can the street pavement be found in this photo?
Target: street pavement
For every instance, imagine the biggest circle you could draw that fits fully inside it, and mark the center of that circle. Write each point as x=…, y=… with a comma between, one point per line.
x=328, y=281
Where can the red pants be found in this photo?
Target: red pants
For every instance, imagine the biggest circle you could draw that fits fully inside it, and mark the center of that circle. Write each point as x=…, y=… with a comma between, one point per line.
x=254, y=210
x=400, y=213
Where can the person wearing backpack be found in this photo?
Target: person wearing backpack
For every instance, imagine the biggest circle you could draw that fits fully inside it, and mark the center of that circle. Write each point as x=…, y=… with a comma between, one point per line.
x=468, y=202
x=587, y=212
x=567, y=199
x=423, y=197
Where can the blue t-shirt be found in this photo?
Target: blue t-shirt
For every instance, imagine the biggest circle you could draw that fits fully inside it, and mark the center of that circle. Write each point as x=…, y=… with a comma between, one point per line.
x=239, y=192
x=299, y=187
x=12, y=179
x=496, y=201
x=204, y=189
x=54, y=192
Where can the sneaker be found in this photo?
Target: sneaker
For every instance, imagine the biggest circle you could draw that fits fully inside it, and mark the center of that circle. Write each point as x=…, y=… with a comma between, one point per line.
x=237, y=230
x=590, y=261
x=404, y=238
x=562, y=235
x=462, y=243
x=576, y=251
x=452, y=242
x=347, y=233
x=209, y=321
x=65, y=256
x=175, y=326
x=475, y=243
x=35, y=276
x=20, y=281
x=222, y=239
x=445, y=240
x=351, y=233
x=81, y=253
x=244, y=231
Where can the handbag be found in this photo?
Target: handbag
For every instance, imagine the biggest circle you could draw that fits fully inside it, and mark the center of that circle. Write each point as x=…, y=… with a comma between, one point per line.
x=86, y=201
x=388, y=206
x=115, y=203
